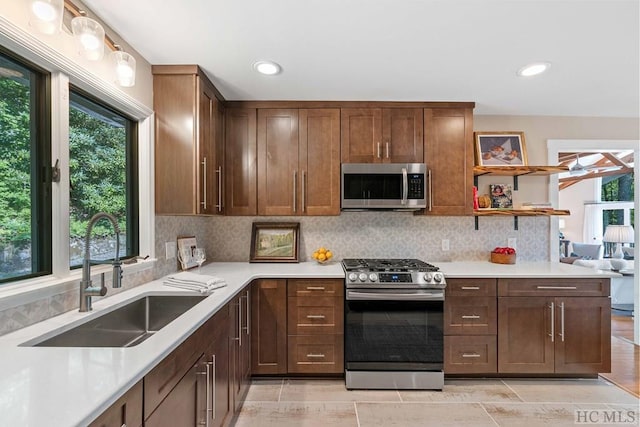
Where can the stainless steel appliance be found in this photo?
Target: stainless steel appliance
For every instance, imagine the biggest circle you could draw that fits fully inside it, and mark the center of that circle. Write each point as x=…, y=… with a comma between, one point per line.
x=393, y=324
x=394, y=186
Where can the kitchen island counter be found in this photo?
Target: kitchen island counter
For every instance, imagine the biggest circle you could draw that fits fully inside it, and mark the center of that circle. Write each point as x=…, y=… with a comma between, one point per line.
x=66, y=386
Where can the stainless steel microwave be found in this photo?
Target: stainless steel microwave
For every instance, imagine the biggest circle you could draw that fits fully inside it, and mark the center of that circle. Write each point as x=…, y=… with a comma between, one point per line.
x=393, y=186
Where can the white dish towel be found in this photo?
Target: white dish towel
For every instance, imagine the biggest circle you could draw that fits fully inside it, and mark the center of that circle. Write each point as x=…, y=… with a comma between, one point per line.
x=196, y=282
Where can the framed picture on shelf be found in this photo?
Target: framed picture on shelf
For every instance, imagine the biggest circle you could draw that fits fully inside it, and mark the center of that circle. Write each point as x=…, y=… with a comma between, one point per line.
x=186, y=246
x=274, y=242
x=500, y=149
x=501, y=196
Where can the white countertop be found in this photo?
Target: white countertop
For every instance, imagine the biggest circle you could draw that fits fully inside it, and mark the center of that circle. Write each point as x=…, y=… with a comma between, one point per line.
x=62, y=386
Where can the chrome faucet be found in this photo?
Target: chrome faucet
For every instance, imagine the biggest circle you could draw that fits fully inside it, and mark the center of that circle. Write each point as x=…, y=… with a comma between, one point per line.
x=87, y=290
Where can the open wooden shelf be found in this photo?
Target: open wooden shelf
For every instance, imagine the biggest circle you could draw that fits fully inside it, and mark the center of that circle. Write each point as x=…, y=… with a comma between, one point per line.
x=518, y=170
x=520, y=212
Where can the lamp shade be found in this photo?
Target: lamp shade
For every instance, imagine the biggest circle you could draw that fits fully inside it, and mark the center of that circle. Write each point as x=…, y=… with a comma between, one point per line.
x=46, y=15
x=125, y=68
x=89, y=36
x=618, y=234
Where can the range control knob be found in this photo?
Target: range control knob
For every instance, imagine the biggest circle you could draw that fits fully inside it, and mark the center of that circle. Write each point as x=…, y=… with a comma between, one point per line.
x=428, y=277
x=363, y=277
x=373, y=277
x=438, y=277
x=353, y=277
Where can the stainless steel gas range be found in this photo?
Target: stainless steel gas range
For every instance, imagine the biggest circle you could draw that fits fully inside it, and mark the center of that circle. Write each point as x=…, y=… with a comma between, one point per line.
x=393, y=324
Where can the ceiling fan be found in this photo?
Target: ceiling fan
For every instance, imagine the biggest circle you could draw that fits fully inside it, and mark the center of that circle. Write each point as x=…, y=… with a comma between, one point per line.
x=579, y=169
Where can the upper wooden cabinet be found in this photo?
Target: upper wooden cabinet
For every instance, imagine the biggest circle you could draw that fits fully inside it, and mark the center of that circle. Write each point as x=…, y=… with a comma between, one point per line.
x=188, y=158
x=298, y=162
x=376, y=135
x=448, y=148
x=240, y=152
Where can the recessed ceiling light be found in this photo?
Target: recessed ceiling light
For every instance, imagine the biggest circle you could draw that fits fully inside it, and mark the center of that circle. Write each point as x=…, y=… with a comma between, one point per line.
x=268, y=68
x=534, y=69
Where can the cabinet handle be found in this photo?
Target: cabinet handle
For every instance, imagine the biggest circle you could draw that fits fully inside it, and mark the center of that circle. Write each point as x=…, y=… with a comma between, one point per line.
x=551, y=307
x=239, y=337
x=387, y=148
x=247, y=314
x=470, y=355
x=470, y=288
x=199, y=375
x=304, y=186
x=208, y=393
x=204, y=184
x=315, y=288
x=213, y=389
x=316, y=316
x=470, y=316
x=295, y=178
x=378, y=144
x=558, y=287
x=562, y=321
x=317, y=356
x=430, y=189
x=219, y=173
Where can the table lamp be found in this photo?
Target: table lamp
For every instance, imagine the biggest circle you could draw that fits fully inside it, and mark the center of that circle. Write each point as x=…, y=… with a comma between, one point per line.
x=618, y=234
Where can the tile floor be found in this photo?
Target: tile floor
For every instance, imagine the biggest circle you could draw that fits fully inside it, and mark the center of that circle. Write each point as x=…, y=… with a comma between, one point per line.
x=478, y=402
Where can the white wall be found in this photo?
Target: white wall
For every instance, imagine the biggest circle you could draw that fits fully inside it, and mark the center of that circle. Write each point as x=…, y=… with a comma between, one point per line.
x=573, y=198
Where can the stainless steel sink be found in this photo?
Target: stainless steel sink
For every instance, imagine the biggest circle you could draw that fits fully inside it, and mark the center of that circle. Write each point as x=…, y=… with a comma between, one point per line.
x=125, y=326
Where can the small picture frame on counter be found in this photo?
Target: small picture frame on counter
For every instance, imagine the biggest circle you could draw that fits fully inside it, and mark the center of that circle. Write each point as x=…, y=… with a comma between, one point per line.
x=186, y=246
x=275, y=242
x=501, y=197
x=500, y=149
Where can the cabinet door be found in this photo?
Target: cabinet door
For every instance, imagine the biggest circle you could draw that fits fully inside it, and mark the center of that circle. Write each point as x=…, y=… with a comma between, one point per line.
x=185, y=405
x=269, y=325
x=245, y=361
x=175, y=144
x=525, y=335
x=583, y=335
x=448, y=153
x=218, y=361
x=402, y=135
x=361, y=135
x=206, y=149
x=319, y=162
x=240, y=161
x=278, y=162
x=125, y=411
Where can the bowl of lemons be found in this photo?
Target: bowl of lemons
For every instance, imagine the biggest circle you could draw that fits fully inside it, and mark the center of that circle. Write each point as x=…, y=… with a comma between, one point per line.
x=322, y=255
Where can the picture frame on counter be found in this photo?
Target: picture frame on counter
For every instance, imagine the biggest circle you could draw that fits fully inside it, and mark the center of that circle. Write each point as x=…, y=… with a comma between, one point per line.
x=275, y=242
x=500, y=148
x=186, y=247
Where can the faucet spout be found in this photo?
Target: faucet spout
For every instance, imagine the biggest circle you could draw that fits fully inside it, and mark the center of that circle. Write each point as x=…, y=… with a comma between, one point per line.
x=87, y=290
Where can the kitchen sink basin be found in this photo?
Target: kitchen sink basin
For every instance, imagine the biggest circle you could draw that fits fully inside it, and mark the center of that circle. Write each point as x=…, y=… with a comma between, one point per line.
x=125, y=326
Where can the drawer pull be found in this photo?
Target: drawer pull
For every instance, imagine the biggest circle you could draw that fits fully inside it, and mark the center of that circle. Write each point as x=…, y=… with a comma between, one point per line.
x=317, y=356
x=471, y=316
x=470, y=288
x=315, y=316
x=558, y=287
x=315, y=288
x=470, y=355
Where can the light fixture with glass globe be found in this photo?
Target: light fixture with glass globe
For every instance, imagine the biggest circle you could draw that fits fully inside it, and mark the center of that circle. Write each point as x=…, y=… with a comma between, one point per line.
x=125, y=68
x=46, y=15
x=89, y=36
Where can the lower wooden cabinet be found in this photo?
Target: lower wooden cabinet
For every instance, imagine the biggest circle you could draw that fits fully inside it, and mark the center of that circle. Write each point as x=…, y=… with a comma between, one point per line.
x=316, y=354
x=466, y=354
x=240, y=348
x=125, y=411
x=269, y=324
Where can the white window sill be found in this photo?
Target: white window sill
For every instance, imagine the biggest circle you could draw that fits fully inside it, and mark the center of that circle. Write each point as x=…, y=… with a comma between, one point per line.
x=28, y=291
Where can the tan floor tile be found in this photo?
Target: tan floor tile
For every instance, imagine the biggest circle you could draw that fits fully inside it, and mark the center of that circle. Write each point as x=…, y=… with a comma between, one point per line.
x=464, y=391
x=331, y=390
x=416, y=414
x=296, y=414
x=569, y=390
x=545, y=414
x=264, y=390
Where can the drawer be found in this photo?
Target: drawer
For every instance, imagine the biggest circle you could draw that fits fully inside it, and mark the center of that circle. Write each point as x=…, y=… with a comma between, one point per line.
x=313, y=287
x=316, y=354
x=315, y=315
x=471, y=287
x=127, y=410
x=559, y=287
x=470, y=315
x=470, y=354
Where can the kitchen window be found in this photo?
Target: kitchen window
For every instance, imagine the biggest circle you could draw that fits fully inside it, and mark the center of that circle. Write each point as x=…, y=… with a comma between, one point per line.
x=25, y=185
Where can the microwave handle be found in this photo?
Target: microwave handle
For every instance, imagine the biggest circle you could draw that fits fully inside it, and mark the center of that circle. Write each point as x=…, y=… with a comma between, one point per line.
x=405, y=186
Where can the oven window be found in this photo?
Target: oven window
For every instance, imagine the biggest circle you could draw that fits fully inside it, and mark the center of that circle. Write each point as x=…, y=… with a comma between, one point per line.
x=403, y=333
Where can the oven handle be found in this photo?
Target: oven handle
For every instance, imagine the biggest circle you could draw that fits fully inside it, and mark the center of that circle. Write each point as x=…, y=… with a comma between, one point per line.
x=396, y=296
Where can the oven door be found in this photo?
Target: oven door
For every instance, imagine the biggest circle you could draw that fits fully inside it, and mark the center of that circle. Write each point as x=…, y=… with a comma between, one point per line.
x=399, y=330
